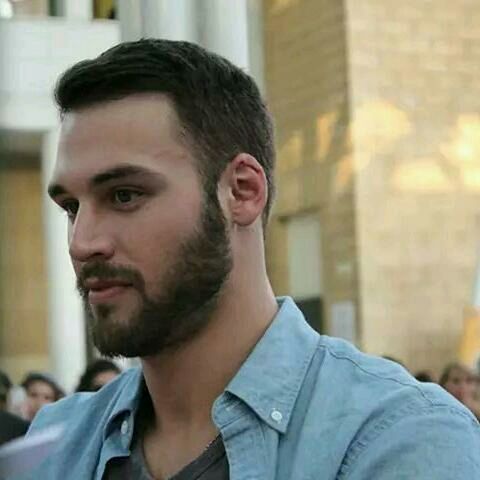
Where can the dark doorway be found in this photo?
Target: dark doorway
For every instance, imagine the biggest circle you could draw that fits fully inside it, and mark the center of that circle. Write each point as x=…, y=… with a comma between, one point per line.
x=312, y=309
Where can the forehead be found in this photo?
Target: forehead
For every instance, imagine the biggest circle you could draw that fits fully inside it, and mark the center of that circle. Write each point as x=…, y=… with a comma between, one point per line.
x=460, y=372
x=138, y=127
x=40, y=385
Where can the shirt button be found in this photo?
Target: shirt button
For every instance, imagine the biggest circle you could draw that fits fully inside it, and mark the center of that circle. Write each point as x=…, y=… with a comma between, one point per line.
x=276, y=416
x=124, y=427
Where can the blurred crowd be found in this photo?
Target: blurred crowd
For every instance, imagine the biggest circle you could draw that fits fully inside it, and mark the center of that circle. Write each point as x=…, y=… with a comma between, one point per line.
x=20, y=403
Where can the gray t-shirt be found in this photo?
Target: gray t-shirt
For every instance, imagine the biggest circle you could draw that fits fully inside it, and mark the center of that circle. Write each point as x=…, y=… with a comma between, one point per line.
x=212, y=464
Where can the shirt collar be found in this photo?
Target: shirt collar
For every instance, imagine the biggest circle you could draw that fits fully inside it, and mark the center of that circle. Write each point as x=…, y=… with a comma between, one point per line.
x=128, y=398
x=270, y=379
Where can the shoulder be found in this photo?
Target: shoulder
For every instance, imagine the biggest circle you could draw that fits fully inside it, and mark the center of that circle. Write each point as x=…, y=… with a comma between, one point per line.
x=86, y=420
x=388, y=422
x=74, y=409
x=372, y=379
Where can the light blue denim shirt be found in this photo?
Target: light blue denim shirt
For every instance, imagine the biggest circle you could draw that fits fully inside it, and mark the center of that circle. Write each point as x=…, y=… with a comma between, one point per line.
x=302, y=407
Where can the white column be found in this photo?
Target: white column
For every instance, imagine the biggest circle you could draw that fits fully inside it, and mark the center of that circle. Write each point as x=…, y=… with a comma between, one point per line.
x=225, y=30
x=170, y=19
x=231, y=28
x=130, y=16
x=256, y=29
x=75, y=9
x=66, y=316
x=6, y=9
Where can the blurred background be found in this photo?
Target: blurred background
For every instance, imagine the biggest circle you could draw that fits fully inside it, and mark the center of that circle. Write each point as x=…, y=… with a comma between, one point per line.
x=376, y=228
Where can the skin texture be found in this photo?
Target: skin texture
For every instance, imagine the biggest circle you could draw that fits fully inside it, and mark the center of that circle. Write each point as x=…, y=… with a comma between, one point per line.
x=142, y=231
x=38, y=394
x=461, y=384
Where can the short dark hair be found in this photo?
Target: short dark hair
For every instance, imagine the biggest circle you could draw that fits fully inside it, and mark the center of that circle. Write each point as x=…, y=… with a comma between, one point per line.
x=220, y=108
x=5, y=381
x=93, y=369
x=5, y=386
x=424, y=376
x=451, y=367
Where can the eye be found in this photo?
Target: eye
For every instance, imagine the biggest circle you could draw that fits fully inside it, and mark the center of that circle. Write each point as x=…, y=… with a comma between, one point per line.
x=125, y=196
x=71, y=208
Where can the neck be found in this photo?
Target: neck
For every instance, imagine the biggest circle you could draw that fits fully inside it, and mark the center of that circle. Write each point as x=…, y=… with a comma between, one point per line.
x=183, y=384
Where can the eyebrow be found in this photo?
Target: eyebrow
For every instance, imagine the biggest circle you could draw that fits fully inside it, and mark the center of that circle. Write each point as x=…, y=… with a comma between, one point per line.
x=116, y=173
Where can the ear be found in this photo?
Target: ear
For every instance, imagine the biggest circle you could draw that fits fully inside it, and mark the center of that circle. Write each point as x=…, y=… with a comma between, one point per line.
x=245, y=185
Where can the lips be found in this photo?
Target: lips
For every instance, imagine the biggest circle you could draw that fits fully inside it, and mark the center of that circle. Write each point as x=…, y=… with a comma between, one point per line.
x=103, y=290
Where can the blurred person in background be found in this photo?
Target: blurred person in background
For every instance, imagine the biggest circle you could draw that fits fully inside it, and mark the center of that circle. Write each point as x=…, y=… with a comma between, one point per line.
x=17, y=401
x=11, y=426
x=165, y=172
x=424, y=376
x=12, y=397
x=97, y=374
x=40, y=390
x=5, y=386
x=462, y=383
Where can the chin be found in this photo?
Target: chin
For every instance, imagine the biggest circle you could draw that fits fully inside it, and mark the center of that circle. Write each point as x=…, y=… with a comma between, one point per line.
x=114, y=313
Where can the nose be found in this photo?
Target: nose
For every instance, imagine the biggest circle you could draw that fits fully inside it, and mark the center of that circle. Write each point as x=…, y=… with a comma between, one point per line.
x=89, y=237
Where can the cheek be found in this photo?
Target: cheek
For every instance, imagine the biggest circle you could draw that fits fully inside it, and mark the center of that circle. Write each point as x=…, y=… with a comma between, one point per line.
x=156, y=254
x=153, y=239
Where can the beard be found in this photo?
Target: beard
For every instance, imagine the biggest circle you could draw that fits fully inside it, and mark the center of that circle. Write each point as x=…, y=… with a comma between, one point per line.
x=191, y=288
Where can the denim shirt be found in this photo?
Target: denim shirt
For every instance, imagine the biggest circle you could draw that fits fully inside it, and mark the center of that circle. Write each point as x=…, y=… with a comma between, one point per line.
x=302, y=407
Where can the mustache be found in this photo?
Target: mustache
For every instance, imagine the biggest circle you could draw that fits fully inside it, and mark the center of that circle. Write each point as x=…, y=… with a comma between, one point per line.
x=106, y=271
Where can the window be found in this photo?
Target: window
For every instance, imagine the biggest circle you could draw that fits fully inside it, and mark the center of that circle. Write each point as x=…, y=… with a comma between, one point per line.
x=305, y=267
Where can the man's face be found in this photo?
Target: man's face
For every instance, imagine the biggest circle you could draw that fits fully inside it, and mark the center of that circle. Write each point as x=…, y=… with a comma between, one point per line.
x=150, y=251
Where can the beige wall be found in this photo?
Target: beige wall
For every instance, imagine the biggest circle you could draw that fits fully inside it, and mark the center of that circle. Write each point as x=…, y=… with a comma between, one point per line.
x=306, y=73
x=23, y=305
x=377, y=107
x=415, y=100
x=31, y=7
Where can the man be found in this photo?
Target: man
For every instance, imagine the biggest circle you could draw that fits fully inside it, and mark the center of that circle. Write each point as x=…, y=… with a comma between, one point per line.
x=165, y=171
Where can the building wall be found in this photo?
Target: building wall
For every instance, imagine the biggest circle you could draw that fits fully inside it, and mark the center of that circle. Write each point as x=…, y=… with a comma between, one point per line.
x=31, y=8
x=23, y=281
x=415, y=105
x=306, y=86
x=378, y=126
